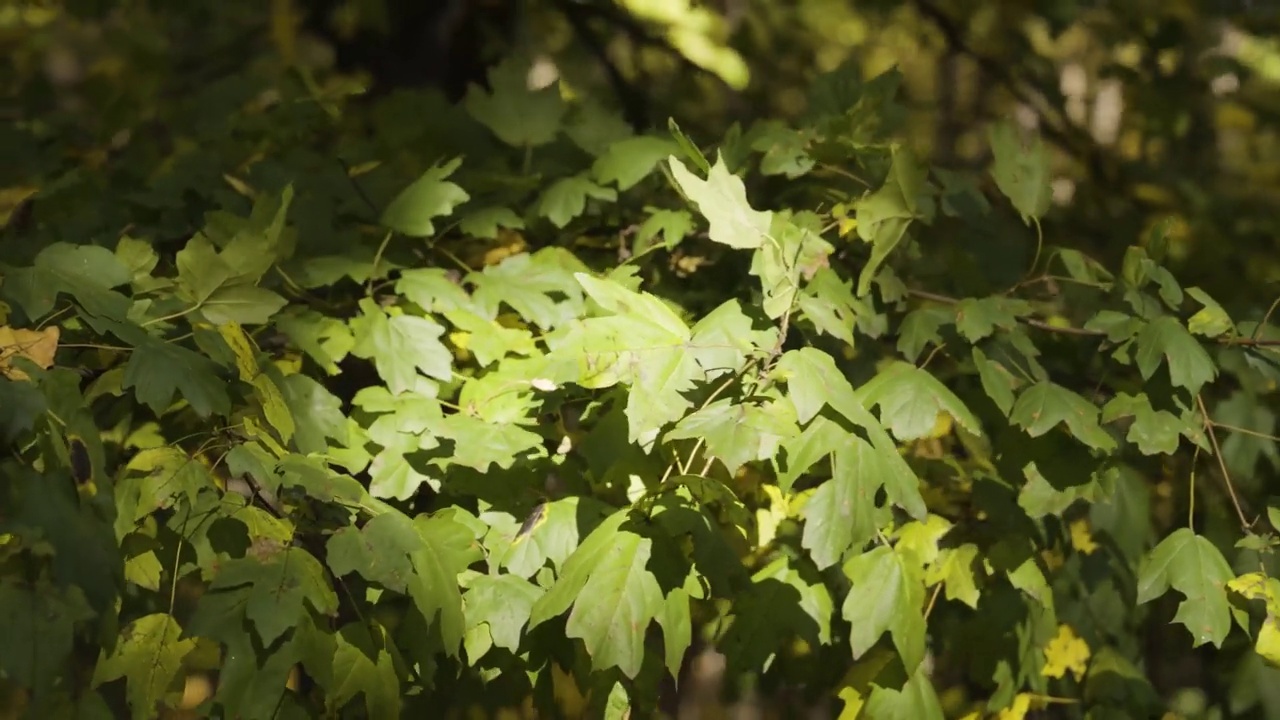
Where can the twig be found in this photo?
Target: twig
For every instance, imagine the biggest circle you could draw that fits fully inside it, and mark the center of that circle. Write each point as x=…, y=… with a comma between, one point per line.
x=1222, y=463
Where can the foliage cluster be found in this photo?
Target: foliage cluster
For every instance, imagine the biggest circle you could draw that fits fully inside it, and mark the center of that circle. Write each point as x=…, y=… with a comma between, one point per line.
x=428, y=405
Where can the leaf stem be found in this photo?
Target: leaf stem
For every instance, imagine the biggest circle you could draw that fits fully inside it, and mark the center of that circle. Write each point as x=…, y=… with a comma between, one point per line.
x=1222, y=463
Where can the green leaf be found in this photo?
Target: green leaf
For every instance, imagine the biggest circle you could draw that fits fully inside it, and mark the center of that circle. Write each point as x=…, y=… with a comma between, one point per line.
x=243, y=304
x=400, y=346
x=327, y=340
x=997, y=381
x=739, y=433
x=976, y=318
x=785, y=149
x=842, y=514
x=722, y=200
x=672, y=225
x=21, y=404
x=283, y=582
x=1189, y=364
x=627, y=162
x=364, y=662
x=432, y=289
x=883, y=216
x=485, y=222
x=379, y=551
x=86, y=272
x=725, y=337
x=430, y=196
x=643, y=344
x=1195, y=568
x=149, y=656
x=916, y=700
x=525, y=283
x=316, y=413
x=158, y=369
x=919, y=329
x=1155, y=432
x=502, y=603
x=954, y=568
x=886, y=595
x=1021, y=171
x=778, y=605
x=1043, y=405
x=613, y=594
x=813, y=380
x=40, y=624
x=910, y=400
x=566, y=199
x=448, y=548
x=1211, y=320
x=518, y=115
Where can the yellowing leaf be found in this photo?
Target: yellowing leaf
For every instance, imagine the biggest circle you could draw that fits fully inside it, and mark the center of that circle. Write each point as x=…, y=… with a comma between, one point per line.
x=38, y=346
x=769, y=518
x=1065, y=652
x=1018, y=710
x=1082, y=538
x=1268, y=644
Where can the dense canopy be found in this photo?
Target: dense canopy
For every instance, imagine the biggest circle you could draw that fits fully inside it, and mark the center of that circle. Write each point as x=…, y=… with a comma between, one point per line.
x=621, y=358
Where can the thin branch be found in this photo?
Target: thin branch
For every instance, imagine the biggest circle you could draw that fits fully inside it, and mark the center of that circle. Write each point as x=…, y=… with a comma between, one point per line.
x=1222, y=463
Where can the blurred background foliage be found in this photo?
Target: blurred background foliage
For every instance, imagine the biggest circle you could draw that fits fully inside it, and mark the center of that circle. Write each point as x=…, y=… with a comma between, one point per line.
x=1158, y=113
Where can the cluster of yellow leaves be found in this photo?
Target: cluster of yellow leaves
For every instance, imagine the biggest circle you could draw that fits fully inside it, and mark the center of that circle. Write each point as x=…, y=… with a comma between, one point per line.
x=38, y=346
x=1256, y=586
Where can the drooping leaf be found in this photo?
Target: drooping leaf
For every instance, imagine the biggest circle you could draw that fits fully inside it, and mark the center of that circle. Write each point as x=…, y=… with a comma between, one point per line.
x=883, y=216
x=886, y=595
x=613, y=594
x=1194, y=567
x=842, y=514
x=1044, y=405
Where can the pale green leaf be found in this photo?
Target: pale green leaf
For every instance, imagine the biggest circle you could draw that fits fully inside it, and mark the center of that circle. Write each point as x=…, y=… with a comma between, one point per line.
x=722, y=200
